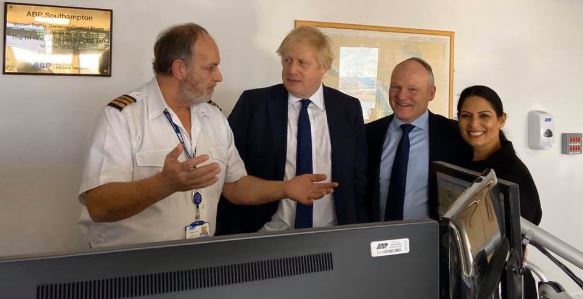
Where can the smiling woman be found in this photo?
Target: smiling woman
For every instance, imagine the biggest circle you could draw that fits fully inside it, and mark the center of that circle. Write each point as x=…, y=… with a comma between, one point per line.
x=481, y=118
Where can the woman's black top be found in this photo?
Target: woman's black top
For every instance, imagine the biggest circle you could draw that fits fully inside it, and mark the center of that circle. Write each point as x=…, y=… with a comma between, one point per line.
x=509, y=167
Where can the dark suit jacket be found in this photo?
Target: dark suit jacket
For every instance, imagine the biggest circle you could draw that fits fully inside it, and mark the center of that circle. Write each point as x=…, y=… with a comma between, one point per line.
x=259, y=124
x=445, y=144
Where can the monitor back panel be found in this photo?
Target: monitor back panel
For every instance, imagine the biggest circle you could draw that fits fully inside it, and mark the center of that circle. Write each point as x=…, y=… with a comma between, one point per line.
x=337, y=262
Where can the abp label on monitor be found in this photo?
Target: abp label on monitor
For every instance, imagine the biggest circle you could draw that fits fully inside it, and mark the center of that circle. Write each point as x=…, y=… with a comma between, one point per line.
x=389, y=247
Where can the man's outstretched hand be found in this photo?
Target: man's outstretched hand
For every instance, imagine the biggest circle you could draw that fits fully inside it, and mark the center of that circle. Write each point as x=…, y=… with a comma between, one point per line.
x=308, y=187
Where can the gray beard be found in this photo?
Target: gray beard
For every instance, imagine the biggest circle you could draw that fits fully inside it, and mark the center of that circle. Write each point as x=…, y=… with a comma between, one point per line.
x=190, y=97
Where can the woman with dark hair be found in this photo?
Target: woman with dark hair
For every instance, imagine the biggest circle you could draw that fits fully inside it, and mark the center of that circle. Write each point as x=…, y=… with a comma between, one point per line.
x=481, y=118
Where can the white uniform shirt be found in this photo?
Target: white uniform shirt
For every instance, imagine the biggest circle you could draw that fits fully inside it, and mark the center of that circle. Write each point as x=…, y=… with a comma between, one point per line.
x=324, y=213
x=132, y=144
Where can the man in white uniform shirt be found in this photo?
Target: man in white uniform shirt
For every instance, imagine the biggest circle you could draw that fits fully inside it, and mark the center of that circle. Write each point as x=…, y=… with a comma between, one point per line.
x=162, y=155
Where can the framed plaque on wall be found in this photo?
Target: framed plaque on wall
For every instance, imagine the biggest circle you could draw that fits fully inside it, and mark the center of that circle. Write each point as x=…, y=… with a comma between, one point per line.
x=56, y=40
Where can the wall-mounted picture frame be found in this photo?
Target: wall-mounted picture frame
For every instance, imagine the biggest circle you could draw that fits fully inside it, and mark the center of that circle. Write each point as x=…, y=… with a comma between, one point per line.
x=366, y=55
x=56, y=40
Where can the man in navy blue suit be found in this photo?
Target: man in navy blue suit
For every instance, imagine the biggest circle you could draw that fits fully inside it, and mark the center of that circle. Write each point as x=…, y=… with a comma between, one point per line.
x=432, y=138
x=265, y=125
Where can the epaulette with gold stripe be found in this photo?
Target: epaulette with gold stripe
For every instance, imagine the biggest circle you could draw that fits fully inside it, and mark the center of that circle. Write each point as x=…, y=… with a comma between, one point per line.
x=121, y=102
x=214, y=104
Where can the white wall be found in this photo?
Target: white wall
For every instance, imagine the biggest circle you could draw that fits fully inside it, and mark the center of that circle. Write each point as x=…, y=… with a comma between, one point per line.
x=530, y=51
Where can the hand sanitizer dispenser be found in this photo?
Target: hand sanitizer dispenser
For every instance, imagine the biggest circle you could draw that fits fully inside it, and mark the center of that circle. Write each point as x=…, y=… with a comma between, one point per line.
x=541, y=130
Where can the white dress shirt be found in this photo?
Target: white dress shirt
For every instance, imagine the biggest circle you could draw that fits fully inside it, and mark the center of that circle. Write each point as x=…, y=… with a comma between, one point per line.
x=324, y=213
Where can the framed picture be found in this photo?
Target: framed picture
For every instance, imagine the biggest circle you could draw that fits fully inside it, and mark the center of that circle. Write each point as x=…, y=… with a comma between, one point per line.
x=366, y=55
x=56, y=40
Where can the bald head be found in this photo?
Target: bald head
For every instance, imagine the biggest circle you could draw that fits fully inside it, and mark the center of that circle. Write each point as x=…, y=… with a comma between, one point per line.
x=411, y=89
x=423, y=64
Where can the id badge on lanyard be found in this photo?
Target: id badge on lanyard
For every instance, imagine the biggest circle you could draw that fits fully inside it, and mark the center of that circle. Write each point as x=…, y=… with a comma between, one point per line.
x=198, y=228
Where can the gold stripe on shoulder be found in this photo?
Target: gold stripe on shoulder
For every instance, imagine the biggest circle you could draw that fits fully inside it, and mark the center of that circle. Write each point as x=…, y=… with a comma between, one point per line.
x=122, y=102
x=214, y=104
x=129, y=98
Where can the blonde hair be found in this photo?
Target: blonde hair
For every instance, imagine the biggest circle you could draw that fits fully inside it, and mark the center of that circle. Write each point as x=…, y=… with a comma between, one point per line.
x=314, y=38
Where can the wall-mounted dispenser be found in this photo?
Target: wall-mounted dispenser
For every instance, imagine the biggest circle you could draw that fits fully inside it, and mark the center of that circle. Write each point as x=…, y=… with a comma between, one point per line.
x=541, y=130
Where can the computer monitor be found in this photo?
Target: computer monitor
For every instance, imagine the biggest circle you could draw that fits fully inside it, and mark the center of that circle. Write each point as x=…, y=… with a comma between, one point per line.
x=452, y=181
x=378, y=260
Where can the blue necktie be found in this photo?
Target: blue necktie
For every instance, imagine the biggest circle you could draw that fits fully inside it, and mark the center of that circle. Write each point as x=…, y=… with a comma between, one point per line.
x=398, y=183
x=304, y=162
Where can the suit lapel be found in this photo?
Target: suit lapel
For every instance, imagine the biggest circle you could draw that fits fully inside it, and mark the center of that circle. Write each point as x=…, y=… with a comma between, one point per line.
x=335, y=124
x=337, y=128
x=277, y=110
x=438, y=151
x=379, y=139
x=377, y=142
x=435, y=139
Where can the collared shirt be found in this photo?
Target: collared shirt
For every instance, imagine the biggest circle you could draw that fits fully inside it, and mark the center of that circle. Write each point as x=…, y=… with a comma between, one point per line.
x=415, y=205
x=132, y=144
x=324, y=213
